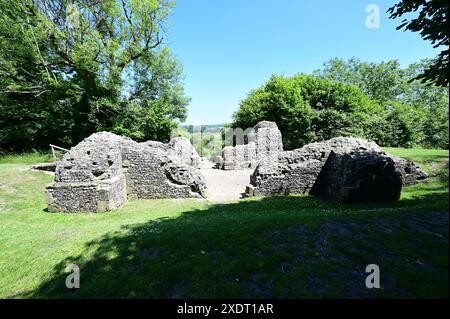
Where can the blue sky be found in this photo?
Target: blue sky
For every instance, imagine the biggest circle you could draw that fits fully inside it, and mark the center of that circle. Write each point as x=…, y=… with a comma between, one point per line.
x=229, y=47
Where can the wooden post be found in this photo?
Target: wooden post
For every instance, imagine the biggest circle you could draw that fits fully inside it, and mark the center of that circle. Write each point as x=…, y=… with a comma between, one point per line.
x=57, y=147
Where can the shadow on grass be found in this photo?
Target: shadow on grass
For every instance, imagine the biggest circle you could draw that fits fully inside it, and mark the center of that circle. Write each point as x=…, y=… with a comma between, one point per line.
x=279, y=247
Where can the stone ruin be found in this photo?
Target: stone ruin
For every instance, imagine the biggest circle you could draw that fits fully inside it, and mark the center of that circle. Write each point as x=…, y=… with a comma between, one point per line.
x=345, y=168
x=179, y=147
x=263, y=142
x=104, y=170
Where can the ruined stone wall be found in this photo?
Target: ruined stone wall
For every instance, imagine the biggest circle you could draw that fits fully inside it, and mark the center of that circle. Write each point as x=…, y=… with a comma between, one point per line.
x=104, y=169
x=98, y=196
x=270, y=179
x=89, y=177
x=359, y=176
x=268, y=140
x=311, y=169
x=154, y=173
x=181, y=148
x=239, y=156
x=410, y=172
x=263, y=142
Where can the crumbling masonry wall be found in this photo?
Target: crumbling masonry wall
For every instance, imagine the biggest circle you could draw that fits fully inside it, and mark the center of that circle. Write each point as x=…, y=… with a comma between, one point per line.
x=104, y=170
x=345, y=168
x=155, y=173
x=264, y=142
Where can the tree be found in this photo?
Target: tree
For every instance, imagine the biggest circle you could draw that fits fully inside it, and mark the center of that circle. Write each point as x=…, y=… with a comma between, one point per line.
x=389, y=84
x=432, y=24
x=377, y=80
x=89, y=65
x=307, y=109
x=398, y=125
x=154, y=100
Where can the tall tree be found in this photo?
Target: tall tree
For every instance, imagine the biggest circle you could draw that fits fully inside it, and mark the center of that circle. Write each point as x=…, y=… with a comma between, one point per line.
x=432, y=24
x=387, y=82
x=377, y=80
x=93, y=61
x=307, y=109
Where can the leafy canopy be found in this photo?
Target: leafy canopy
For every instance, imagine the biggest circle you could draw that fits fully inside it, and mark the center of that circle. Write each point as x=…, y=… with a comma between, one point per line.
x=377, y=101
x=424, y=115
x=432, y=24
x=306, y=108
x=70, y=68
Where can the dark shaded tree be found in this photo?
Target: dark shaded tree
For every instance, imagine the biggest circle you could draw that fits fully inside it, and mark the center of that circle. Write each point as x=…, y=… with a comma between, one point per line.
x=432, y=24
x=70, y=68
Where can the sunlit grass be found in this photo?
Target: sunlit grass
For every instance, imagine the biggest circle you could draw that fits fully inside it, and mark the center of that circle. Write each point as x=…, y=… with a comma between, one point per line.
x=26, y=158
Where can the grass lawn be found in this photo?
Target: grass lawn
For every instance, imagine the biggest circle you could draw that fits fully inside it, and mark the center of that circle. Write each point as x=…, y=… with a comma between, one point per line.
x=294, y=247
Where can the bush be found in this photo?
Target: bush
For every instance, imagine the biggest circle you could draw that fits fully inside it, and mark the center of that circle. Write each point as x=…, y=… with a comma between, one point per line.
x=308, y=109
x=387, y=82
x=398, y=125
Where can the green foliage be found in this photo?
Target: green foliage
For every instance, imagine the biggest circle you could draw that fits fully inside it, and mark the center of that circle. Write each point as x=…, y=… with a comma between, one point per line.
x=399, y=125
x=379, y=81
x=206, y=139
x=378, y=101
x=70, y=69
x=432, y=24
x=389, y=85
x=307, y=109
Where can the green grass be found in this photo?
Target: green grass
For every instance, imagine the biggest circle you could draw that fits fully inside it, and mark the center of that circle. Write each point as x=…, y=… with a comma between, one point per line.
x=426, y=157
x=294, y=247
x=26, y=158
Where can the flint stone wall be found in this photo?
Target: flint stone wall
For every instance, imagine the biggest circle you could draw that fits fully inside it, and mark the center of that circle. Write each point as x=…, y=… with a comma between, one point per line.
x=356, y=166
x=411, y=173
x=182, y=148
x=359, y=176
x=101, y=172
x=179, y=147
x=155, y=173
x=264, y=142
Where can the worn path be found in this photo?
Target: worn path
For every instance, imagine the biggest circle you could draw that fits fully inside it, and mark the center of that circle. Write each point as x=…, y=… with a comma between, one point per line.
x=226, y=185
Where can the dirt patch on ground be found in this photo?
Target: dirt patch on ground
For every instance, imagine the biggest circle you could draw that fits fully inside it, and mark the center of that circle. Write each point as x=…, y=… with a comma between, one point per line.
x=224, y=186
